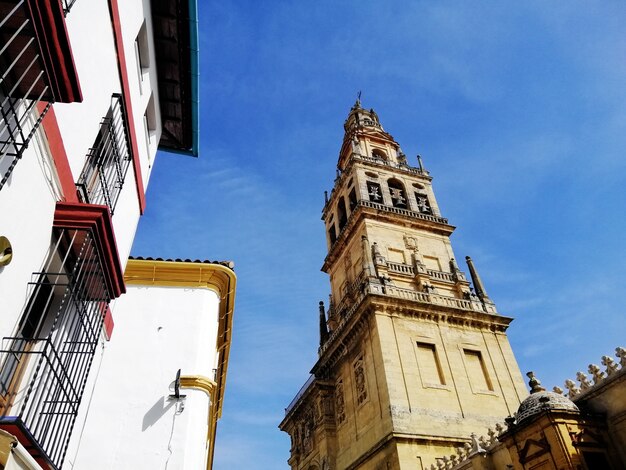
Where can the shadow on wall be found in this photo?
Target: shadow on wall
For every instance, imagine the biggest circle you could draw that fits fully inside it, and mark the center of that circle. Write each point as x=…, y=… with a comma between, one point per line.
x=156, y=412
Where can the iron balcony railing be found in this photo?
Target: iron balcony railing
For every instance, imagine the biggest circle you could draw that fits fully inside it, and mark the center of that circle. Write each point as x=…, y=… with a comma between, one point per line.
x=107, y=163
x=67, y=5
x=46, y=363
x=23, y=83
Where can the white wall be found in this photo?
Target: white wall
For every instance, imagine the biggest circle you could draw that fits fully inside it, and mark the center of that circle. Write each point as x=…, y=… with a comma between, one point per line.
x=131, y=422
x=27, y=204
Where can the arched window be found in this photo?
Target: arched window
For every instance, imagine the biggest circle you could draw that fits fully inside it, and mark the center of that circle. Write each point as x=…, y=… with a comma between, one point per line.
x=423, y=205
x=379, y=154
x=352, y=199
x=342, y=215
x=374, y=193
x=398, y=194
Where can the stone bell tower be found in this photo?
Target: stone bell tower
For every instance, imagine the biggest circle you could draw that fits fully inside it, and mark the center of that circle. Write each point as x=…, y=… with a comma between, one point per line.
x=412, y=358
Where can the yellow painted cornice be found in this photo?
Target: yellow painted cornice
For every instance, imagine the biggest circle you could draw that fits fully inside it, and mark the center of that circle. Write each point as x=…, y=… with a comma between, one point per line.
x=221, y=280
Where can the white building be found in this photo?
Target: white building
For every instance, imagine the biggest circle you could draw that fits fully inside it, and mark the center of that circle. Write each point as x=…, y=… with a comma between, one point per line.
x=88, y=91
x=160, y=384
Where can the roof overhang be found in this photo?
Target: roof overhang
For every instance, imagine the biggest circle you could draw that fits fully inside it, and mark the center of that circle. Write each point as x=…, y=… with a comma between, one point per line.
x=175, y=30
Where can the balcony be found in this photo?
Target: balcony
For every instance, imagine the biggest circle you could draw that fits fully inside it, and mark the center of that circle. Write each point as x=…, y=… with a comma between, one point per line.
x=45, y=364
x=35, y=65
x=107, y=163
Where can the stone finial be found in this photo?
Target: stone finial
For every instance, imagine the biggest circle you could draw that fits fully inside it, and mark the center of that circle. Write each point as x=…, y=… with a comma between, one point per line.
x=446, y=461
x=467, y=448
x=558, y=390
x=324, y=333
x=584, y=381
x=573, y=390
x=621, y=353
x=534, y=383
x=493, y=435
x=610, y=364
x=499, y=428
x=460, y=451
x=478, y=283
x=432, y=467
x=476, y=444
x=596, y=373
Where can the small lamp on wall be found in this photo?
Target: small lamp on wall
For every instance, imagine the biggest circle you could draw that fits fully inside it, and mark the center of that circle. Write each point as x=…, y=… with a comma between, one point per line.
x=6, y=251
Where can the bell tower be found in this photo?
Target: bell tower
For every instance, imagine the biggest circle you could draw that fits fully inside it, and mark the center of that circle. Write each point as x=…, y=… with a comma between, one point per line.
x=413, y=357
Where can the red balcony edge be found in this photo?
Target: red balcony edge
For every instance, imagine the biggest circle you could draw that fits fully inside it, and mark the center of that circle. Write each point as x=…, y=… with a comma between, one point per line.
x=56, y=52
x=98, y=220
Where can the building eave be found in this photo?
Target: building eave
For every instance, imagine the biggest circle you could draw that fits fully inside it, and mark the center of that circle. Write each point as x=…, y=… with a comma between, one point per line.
x=175, y=26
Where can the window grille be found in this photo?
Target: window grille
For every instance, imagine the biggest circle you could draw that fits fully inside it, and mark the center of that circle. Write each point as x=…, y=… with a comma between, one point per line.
x=46, y=363
x=107, y=163
x=23, y=83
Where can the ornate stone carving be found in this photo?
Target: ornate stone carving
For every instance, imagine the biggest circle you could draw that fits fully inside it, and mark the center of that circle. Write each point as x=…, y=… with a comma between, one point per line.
x=340, y=405
x=621, y=353
x=558, y=390
x=584, y=381
x=572, y=388
x=610, y=364
x=359, y=379
x=596, y=373
x=356, y=146
x=410, y=242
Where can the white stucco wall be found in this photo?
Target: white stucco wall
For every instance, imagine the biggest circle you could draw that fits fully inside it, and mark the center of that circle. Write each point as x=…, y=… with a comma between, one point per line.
x=131, y=422
x=27, y=204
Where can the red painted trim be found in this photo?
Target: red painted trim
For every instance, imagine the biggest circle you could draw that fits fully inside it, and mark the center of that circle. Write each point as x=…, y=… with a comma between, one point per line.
x=109, y=324
x=121, y=62
x=50, y=29
x=59, y=155
x=98, y=220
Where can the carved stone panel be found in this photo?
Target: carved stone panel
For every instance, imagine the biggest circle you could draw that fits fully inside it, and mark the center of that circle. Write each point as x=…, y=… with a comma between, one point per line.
x=359, y=379
x=340, y=404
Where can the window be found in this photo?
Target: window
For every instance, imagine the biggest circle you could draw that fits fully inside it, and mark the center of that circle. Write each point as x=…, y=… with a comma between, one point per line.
x=398, y=195
x=142, y=54
x=476, y=371
x=422, y=203
x=374, y=192
x=429, y=366
x=379, y=154
x=342, y=215
x=107, y=162
x=332, y=235
x=352, y=200
x=150, y=123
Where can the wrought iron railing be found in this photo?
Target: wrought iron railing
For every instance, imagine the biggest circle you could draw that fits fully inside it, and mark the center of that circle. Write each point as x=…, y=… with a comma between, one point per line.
x=67, y=5
x=46, y=363
x=107, y=163
x=23, y=83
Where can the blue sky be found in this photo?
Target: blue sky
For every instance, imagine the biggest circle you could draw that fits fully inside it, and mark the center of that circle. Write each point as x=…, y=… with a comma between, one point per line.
x=519, y=111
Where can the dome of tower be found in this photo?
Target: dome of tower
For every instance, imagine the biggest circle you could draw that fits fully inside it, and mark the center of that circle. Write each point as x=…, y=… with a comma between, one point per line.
x=540, y=400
